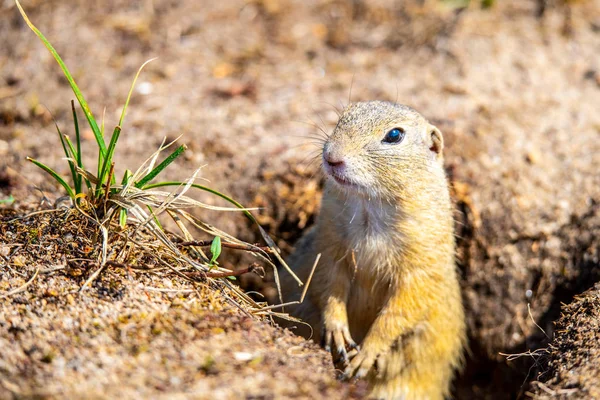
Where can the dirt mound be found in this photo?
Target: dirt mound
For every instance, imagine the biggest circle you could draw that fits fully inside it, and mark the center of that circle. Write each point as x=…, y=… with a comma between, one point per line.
x=571, y=368
x=136, y=331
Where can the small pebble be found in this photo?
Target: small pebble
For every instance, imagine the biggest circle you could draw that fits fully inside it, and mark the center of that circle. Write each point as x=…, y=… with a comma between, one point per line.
x=243, y=356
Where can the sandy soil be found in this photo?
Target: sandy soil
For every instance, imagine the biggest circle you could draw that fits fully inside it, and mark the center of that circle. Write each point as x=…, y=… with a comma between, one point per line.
x=245, y=81
x=139, y=331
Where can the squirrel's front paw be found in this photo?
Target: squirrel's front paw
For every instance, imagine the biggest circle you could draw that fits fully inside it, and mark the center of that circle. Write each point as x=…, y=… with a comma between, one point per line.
x=362, y=363
x=338, y=336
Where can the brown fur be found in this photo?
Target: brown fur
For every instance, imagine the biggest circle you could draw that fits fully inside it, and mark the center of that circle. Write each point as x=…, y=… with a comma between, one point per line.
x=387, y=277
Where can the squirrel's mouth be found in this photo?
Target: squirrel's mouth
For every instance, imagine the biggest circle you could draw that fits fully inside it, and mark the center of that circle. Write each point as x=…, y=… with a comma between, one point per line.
x=339, y=175
x=343, y=181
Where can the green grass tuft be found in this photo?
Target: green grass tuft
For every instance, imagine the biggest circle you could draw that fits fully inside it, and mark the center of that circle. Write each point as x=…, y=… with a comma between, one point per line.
x=135, y=200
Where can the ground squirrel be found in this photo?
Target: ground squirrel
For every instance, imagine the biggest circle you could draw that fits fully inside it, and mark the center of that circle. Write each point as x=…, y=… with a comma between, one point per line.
x=386, y=279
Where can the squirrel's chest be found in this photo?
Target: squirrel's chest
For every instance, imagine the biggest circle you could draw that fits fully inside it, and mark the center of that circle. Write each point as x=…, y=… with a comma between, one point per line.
x=373, y=236
x=371, y=217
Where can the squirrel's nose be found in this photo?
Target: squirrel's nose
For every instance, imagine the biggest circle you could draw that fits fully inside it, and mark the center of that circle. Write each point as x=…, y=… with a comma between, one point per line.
x=331, y=158
x=333, y=162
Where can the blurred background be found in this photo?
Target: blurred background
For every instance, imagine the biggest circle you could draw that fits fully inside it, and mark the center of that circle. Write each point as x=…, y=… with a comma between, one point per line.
x=514, y=86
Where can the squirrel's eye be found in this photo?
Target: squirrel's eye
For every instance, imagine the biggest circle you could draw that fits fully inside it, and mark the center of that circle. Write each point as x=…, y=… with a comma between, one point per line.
x=394, y=136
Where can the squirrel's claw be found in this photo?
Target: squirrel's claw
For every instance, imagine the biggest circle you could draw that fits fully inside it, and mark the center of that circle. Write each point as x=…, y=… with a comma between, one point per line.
x=342, y=355
x=353, y=352
x=349, y=341
x=360, y=365
x=338, y=341
x=339, y=337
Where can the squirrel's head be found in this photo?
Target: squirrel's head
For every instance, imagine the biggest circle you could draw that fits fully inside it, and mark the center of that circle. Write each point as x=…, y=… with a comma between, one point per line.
x=380, y=148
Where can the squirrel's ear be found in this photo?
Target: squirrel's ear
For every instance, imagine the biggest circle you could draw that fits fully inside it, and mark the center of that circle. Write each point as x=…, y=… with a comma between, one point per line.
x=436, y=140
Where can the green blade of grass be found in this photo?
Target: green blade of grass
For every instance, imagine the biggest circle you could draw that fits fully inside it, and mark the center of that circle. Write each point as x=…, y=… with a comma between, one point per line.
x=126, y=178
x=79, y=168
x=78, y=143
x=215, y=250
x=70, y=154
x=157, y=170
x=122, y=218
x=131, y=90
x=108, y=159
x=74, y=87
x=123, y=212
x=57, y=177
x=154, y=217
x=73, y=152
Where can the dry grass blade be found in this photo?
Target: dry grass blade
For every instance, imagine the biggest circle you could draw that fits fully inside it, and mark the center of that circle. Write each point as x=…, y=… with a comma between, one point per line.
x=186, y=233
x=289, y=303
x=21, y=288
x=92, y=277
x=150, y=162
x=203, y=243
x=216, y=232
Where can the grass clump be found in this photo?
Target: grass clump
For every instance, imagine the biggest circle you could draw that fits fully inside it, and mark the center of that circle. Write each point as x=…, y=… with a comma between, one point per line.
x=129, y=209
